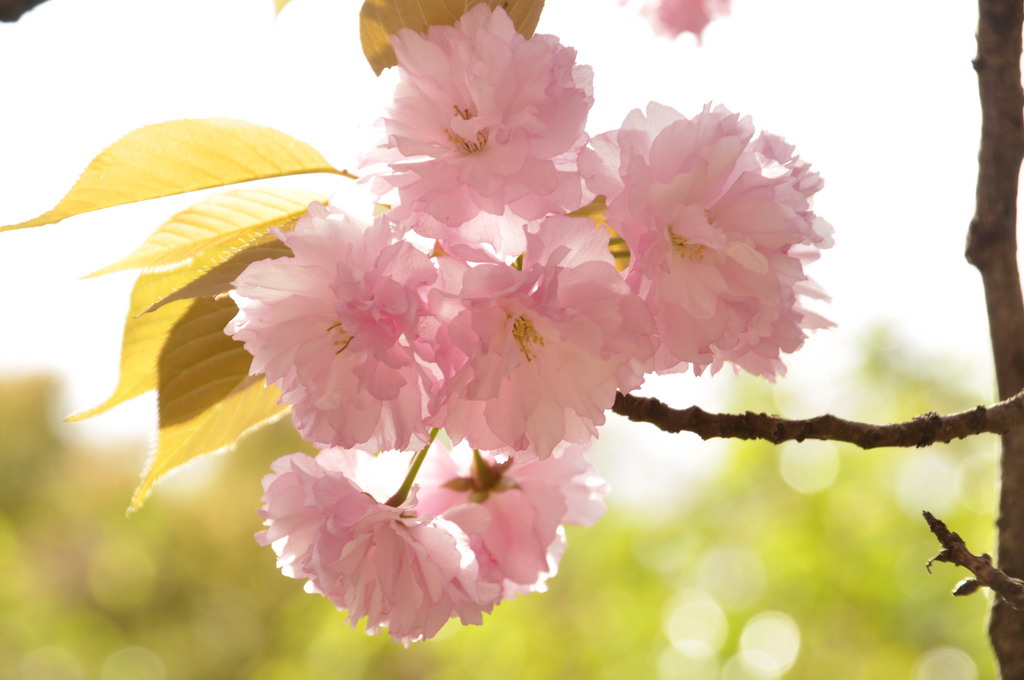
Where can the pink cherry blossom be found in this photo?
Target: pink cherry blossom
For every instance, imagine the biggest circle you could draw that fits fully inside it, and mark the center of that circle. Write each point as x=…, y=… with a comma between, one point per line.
x=511, y=510
x=719, y=228
x=672, y=17
x=333, y=326
x=533, y=357
x=397, y=569
x=484, y=120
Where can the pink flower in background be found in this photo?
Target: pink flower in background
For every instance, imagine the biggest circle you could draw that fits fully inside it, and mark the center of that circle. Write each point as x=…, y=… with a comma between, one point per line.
x=672, y=17
x=401, y=571
x=513, y=511
x=532, y=358
x=333, y=327
x=719, y=228
x=484, y=120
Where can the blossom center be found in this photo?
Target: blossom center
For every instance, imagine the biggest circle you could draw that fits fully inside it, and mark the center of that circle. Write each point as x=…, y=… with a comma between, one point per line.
x=684, y=248
x=527, y=337
x=340, y=336
x=463, y=145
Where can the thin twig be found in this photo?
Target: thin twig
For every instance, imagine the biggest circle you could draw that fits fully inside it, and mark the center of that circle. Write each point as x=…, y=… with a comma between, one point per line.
x=924, y=430
x=955, y=551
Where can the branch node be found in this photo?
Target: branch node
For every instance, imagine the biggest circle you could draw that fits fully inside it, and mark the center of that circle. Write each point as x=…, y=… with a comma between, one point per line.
x=967, y=586
x=943, y=556
x=955, y=551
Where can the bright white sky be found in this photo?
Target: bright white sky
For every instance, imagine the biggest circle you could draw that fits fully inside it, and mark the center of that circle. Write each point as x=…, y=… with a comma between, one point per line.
x=878, y=95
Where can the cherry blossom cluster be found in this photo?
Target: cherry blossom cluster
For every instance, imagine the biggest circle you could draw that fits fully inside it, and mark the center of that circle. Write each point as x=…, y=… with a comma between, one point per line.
x=474, y=532
x=478, y=305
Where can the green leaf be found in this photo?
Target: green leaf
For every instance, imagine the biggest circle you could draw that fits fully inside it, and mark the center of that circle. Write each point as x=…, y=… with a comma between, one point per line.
x=380, y=19
x=223, y=223
x=182, y=156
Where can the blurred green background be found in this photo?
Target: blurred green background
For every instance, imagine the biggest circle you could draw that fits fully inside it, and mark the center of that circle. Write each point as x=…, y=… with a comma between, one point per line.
x=800, y=561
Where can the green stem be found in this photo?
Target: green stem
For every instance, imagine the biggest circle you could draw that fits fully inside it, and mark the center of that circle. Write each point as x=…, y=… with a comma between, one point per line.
x=482, y=473
x=414, y=468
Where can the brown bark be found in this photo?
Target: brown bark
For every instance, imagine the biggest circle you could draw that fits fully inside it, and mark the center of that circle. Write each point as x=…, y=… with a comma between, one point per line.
x=924, y=430
x=955, y=551
x=11, y=10
x=992, y=248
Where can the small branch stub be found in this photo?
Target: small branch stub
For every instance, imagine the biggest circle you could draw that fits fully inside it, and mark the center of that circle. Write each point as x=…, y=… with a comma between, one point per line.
x=955, y=551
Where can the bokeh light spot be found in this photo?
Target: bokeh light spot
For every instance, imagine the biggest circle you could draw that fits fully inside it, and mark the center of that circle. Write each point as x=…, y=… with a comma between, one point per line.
x=732, y=574
x=695, y=624
x=50, y=663
x=925, y=481
x=133, y=663
x=809, y=468
x=945, y=663
x=674, y=665
x=769, y=644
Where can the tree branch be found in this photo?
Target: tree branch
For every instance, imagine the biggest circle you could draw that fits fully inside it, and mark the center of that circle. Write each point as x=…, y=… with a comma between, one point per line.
x=924, y=430
x=955, y=551
x=992, y=248
x=11, y=10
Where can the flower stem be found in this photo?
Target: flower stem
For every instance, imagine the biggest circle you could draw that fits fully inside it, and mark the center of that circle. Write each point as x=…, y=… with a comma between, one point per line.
x=414, y=467
x=482, y=474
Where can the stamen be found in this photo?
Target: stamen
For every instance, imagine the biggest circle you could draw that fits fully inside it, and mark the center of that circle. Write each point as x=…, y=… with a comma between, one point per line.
x=687, y=250
x=342, y=339
x=527, y=337
x=465, y=146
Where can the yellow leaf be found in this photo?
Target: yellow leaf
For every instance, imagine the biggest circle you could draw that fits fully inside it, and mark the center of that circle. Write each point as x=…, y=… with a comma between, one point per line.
x=224, y=223
x=279, y=5
x=616, y=244
x=380, y=19
x=211, y=271
x=217, y=429
x=219, y=279
x=207, y=399
x=141, y=343
x=619, y=250
x=179, y=283
x=593, y=210
x=182, y=156
x=152, y=287
x=199, y=364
